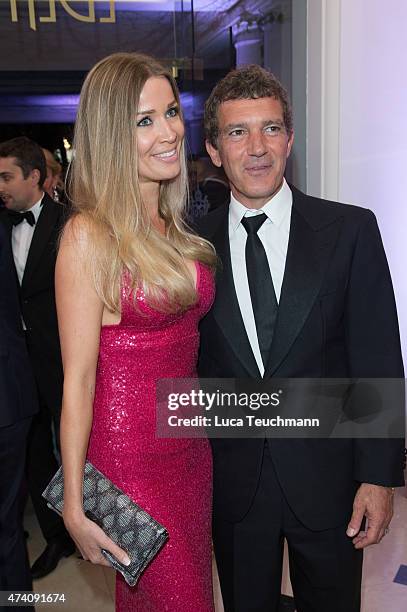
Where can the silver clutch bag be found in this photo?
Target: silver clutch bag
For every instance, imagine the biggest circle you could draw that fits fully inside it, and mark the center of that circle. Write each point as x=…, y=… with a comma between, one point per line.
x=128, y=525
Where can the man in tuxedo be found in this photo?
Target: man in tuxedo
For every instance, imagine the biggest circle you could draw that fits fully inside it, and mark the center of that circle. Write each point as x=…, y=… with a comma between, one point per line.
x=304, y=291
x=34, y=222
x=18, y=404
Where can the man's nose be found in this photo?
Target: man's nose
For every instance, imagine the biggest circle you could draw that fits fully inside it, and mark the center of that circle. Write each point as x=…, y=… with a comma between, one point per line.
x=257, y=144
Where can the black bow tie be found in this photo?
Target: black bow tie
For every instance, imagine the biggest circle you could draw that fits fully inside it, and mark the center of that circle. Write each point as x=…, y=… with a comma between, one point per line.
x=18, y=217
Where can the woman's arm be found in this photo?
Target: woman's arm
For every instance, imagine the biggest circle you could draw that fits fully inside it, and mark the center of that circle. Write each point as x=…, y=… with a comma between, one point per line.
x=80, y=313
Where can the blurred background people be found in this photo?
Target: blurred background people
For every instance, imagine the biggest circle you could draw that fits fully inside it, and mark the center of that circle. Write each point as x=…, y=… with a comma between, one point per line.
x=18, y=404
x=53, y=184
x=208, y=187
x=213, y=183
x=34, y=221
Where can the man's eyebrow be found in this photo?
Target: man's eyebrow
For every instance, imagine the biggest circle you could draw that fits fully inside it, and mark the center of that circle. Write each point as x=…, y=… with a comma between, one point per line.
x=6, y=173
x=274, y=121
x=151, y=111
x=234, y=126
x=243, y=124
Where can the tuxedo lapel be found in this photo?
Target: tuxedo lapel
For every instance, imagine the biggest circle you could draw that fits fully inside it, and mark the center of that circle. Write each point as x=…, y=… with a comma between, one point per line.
x=308, y=256
x=226, y=310
x=46, y=224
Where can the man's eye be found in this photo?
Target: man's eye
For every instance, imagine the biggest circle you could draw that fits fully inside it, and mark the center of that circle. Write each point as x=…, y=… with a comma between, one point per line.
x=273, y=129
x=144, y=121
x=236, y=132
x=173, y=112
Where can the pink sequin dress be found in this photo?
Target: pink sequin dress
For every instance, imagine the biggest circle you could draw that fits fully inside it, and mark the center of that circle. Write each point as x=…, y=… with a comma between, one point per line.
x=170, y=478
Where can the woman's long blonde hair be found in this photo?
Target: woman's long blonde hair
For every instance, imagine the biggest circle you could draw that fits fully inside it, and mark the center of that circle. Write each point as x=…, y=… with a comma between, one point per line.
x=104, y=189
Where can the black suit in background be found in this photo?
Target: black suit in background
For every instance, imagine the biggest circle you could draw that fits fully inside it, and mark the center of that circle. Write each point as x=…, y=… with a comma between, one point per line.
x=37, y=297
x=18, y=404
x=336, y=318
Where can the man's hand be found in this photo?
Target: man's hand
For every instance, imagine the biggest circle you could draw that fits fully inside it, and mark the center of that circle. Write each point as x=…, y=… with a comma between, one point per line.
x=376, y=504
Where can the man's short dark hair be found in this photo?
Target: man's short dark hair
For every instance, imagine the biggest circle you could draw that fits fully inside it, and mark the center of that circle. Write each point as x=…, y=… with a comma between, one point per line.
x=28, y=155
x=246, y=83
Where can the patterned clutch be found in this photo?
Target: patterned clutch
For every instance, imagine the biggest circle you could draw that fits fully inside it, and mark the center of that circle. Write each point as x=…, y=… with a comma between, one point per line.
x=121, y=519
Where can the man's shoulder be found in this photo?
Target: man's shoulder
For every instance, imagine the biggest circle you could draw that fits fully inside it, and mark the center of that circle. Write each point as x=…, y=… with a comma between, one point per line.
x=48, y=202
x=56, y=213
x=317, y=211
x=3, y=232
x=6, y=259
x=320, y=211
x=207, y=225
x=3, y=215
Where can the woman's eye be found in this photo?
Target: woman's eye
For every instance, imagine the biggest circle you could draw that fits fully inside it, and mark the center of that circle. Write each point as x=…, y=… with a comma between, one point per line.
x=144, y=121
x=173, y=112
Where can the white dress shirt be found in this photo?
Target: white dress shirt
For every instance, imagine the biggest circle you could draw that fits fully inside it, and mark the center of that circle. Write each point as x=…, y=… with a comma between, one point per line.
x=274, y=234
x=21, y=239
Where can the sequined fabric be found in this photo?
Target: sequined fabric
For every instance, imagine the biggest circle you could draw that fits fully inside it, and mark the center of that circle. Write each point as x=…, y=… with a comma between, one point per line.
x=171, y=479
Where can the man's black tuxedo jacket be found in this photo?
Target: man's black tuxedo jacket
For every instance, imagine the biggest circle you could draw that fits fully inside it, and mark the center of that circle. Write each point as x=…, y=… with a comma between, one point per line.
x=37, y=297
x=337, y=318
x=18, y=398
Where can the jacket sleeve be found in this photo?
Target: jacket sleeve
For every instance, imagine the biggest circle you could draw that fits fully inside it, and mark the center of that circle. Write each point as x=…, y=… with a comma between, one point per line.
x=373, y=345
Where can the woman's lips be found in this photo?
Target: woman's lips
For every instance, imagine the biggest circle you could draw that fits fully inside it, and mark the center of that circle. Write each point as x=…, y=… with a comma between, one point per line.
x=167, y=156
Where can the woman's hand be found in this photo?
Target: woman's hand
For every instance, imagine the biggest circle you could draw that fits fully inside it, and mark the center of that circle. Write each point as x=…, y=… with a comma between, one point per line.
x=90, y=539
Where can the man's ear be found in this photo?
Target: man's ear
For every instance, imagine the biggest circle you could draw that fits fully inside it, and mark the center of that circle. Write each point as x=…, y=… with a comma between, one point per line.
x=35, y=176
x=213, y=154
x=290, y=143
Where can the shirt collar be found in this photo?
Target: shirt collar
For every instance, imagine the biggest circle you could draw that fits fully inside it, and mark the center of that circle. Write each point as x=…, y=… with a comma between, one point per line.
x=276, y=208
x=35, y=208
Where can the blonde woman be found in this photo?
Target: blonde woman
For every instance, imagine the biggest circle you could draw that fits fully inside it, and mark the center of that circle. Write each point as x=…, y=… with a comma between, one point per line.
x=132, y=284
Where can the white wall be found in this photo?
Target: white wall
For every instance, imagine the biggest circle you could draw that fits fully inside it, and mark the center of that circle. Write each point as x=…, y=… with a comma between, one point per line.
x=373, y=125
x=357, y=117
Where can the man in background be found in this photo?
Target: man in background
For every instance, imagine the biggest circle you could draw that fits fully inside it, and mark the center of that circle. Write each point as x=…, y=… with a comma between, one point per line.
x=34, y=221
x=18, y=404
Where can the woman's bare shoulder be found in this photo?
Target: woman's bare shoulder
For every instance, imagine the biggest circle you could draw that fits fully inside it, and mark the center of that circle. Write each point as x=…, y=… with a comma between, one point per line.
x=78, y=232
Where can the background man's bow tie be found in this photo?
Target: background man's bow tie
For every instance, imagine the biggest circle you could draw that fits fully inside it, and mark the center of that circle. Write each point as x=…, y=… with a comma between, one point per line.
x=17, y=217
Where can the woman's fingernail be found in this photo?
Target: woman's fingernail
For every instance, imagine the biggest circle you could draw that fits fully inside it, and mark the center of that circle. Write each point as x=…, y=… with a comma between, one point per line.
x=126, y=561
x=351, y=532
